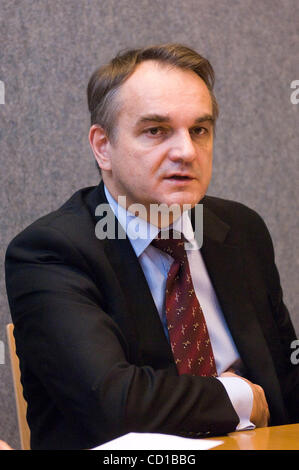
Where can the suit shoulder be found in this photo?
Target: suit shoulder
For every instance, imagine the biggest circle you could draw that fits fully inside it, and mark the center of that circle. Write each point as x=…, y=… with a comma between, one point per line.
x=70, y=217
x=245, y=223
x=233, y=212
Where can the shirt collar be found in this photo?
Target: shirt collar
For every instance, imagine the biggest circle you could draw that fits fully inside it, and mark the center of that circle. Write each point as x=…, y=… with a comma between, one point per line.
x=140, y=232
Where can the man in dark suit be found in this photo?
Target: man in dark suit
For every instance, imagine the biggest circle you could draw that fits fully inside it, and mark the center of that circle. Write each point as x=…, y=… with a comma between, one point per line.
x=92, y=332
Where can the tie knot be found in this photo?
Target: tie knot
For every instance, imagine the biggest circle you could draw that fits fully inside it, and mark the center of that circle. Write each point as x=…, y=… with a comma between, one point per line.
x=173, y=244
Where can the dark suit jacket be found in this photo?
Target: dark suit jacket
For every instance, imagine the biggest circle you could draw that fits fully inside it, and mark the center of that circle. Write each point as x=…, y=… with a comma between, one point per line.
x=94, y=359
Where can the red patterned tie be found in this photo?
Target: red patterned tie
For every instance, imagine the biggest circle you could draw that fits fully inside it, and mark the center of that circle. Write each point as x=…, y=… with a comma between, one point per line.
x=188, y=333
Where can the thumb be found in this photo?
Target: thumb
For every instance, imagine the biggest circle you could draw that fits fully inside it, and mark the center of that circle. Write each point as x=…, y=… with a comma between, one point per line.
x=4, y=446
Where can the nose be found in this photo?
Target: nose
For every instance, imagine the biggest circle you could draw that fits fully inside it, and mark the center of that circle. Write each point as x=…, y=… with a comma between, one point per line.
x=182, y=147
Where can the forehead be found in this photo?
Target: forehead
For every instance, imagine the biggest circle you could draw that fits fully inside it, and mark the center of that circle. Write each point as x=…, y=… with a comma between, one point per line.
x=164, y=89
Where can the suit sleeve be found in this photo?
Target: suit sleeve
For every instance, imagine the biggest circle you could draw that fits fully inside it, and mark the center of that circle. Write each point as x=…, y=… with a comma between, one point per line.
x=70, y=343
x=290, y=374
x=282, y=334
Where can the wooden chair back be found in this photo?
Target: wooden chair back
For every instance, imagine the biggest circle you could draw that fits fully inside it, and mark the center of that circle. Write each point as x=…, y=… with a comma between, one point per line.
x=21, y=403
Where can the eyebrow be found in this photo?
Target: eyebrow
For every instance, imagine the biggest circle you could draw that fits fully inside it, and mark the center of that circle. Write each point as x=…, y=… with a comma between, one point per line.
x=205, y=117
x=160, y=118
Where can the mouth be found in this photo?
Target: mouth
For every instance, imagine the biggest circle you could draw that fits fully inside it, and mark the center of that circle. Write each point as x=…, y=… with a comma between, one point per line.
x=178, y=177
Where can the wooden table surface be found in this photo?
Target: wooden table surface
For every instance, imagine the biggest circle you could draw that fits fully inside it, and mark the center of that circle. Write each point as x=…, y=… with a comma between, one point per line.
x=270, y=438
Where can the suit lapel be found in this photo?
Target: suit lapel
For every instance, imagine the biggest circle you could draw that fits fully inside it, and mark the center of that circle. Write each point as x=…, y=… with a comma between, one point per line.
x=153, y=347
x=227, y=271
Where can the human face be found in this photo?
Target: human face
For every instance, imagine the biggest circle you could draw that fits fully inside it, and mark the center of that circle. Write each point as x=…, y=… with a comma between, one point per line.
x=162, y=152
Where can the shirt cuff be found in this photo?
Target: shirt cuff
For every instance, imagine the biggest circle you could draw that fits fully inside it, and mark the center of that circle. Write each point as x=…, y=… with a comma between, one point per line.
x=241, y=396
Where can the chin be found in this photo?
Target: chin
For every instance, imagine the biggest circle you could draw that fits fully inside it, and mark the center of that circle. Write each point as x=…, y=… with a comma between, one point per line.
x=184, y=199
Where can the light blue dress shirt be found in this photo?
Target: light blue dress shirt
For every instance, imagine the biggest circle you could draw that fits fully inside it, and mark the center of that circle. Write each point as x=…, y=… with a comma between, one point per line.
x=155, y=265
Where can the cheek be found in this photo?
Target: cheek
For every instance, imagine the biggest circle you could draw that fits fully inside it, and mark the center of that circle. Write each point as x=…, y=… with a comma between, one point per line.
x=206, y=157
x=208, y=170
x=147, y=165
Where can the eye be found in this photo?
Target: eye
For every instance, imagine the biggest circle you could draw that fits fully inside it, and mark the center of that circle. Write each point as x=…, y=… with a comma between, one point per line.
x=199, y=130
x=155, y=131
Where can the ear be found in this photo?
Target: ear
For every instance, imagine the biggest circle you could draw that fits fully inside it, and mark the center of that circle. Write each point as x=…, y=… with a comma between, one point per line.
x=99, y=143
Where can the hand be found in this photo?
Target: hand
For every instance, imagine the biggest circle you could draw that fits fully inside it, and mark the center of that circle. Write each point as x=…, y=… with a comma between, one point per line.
x=260, y=412
x=4, y=446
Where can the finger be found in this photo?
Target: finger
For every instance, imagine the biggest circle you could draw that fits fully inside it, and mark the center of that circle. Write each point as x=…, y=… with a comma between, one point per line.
x=4, y=446
x=228, y=374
